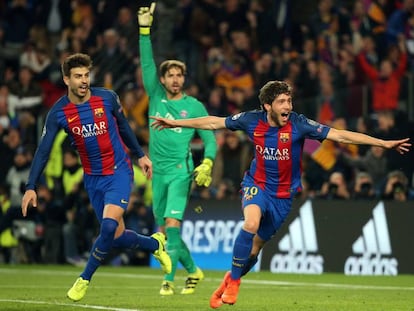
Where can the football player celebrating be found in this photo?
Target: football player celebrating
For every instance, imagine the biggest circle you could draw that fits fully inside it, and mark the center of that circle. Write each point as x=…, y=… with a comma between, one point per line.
x=274, y=177
x=93, y=119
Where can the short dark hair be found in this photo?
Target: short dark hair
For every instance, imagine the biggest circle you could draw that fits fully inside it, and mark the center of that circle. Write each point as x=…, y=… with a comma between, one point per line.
x=171, y=63
x=271, y=90
x=75, y=61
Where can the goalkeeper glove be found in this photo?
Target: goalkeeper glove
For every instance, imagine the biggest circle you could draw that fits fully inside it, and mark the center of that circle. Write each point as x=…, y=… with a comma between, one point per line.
x=145, y=17
x=203, y=173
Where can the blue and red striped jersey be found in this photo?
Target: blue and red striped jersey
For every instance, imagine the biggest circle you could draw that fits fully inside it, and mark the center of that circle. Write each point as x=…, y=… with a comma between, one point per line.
x=98, y=130
x=277, y=164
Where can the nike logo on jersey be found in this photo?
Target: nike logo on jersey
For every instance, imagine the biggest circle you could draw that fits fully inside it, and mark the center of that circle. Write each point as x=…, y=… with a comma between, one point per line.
x=124, y=201
x=72, y=119
x=256, y=134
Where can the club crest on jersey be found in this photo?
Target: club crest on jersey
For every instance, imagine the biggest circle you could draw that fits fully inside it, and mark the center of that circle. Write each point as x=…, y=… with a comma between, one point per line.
x=99, y=112
x=236, y=116
x=183, y=113
x=284, y=137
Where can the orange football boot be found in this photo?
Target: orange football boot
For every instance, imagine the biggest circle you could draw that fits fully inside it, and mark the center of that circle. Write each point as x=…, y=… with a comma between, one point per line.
x=215, y=299
x=230, y=293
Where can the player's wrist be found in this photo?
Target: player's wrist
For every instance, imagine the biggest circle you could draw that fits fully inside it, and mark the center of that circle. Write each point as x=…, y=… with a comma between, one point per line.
x=30, y=187
x=208, y=162
x=144, y=30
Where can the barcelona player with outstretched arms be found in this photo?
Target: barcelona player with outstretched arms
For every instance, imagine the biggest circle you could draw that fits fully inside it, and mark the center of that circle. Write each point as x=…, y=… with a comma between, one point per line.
x=274, y=177
x=93, y=119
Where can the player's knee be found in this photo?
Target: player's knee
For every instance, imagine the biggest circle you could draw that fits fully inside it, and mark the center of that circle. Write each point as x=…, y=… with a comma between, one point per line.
x=108, y=228
x=251, y=226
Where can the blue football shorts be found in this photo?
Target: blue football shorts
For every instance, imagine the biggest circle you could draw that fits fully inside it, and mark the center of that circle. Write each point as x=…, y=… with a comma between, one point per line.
x=274, y=210
x=109, y=189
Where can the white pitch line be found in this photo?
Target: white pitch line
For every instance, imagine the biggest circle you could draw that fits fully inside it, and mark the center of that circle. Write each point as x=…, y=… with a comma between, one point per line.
x=66, y=304
x=245, y=281
x=345, y=286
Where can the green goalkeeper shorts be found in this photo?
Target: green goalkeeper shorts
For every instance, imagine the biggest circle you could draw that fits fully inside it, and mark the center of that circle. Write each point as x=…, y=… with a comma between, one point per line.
x=170, y=195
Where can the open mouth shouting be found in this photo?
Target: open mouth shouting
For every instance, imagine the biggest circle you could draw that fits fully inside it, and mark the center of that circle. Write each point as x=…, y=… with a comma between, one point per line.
x=284, y=116
x=83, y=88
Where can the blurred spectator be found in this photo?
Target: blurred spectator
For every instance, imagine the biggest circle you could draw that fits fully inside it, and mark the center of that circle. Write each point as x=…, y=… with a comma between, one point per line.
x=17, y=22
x=396, y=187
x=125, y=26
x=216, y=105
x=347, y=83
x=378, y=12
x=52, y=173
x=186, y=49
x=10, y=141
x=269, y=17
x=54, y=16
x=307, y=102
x=81, y=10
x=5, y=119
x=135, y=109
x=142, y=186
x=18, y=174
x=36, y=59
x=72, y=179
x=204, y=33
x=54, y=219
x=264, y=69
x=233, y=75
x=329, y=26
x=232, y=16
x=25, y=101
x=139, y=218
x=335, y=188
x=397, y=22
x=374, y=163
x=232, y=161
x=8, y=242
x=363, y=124
x=360, y=22
x=83, y=38
x=72, y=173
x=135, y=101
x=51, y=80
x=28, y=231
x=409, y=34
x=80, y=228
x=386, y=81
x=105, y=16
x=325, y=159
x=369, y=49
x=364, y=187
x=391, y=124
x=329, y=106
x=110, y=60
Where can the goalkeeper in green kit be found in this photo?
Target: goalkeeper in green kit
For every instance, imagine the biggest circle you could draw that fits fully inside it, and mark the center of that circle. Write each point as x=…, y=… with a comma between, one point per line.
x=173, y=167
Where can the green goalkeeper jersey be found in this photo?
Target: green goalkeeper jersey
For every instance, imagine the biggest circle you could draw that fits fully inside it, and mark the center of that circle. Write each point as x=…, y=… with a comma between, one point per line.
x=169, y=149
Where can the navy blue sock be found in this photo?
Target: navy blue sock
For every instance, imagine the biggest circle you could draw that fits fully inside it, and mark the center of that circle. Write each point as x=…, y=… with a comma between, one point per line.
x=101, y=247
x=131, y=239
x=249, y=265
x=241, y=253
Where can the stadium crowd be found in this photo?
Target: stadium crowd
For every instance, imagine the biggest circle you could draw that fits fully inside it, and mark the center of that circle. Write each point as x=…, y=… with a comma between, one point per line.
x=351, y=64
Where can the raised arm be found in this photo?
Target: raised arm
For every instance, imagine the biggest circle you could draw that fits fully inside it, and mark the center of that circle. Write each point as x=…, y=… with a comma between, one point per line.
x=205, y=123
x=149, y=69
x=349, y=137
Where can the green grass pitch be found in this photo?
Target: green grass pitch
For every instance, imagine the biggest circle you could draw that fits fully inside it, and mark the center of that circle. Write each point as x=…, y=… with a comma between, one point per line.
x=44, y=287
